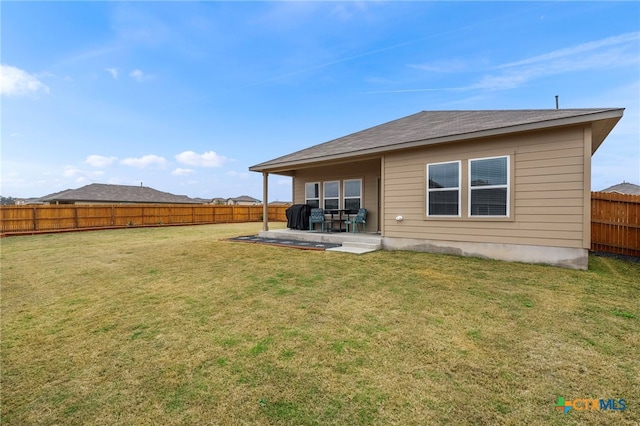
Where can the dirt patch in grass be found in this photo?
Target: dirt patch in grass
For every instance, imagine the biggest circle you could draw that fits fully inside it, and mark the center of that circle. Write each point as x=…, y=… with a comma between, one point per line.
x=179, y=326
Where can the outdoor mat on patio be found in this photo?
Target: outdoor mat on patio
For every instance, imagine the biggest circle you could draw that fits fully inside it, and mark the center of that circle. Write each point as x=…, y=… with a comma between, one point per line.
x=304, y=245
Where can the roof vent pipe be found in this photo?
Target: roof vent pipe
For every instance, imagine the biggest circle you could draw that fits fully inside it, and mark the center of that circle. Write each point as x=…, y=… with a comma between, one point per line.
x=557, y=102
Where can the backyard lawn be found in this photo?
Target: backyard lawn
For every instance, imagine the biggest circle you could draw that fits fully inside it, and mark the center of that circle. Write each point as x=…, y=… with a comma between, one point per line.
x=178, y=326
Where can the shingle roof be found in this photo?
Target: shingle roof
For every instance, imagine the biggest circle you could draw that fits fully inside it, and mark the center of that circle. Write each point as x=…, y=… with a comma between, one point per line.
x=104, y=193
x=245, y=198
x=429, y=127
x=624, y=188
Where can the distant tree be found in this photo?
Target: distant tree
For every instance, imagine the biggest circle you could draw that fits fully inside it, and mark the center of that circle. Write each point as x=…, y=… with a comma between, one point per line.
x=7, y=201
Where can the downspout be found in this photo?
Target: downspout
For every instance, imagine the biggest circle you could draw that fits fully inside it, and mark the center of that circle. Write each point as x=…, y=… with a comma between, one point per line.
x=265, y=201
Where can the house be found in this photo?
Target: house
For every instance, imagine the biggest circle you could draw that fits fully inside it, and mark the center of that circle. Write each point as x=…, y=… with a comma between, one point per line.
x=624, y=188
x=100, y=193
x=28, y=201
x=218, y=201
x=510, y=184
x=243, y=200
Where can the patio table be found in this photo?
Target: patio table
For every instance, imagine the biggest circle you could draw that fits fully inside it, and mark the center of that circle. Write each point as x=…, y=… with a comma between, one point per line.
x=340, y=220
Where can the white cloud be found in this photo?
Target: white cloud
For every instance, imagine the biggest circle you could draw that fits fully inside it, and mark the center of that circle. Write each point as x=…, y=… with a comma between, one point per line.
x=100, y=161
x=346, y=11
x=207, y=159
x=81, y=175
x=628, y=38
x=137, y=75
x=16, y=82
x=508, y=80
x=611, y=52
x=70, y=171
x=608, y=53
x=182, y=172
x=444, y=66
x=145, y=161
x=114, y=72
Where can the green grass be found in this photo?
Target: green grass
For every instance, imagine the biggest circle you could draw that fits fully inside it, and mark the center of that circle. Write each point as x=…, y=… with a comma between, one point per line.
x=179, y=326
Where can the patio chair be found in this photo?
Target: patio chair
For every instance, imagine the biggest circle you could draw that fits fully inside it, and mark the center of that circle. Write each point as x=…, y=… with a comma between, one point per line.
x=361, y=217
x=317, y=216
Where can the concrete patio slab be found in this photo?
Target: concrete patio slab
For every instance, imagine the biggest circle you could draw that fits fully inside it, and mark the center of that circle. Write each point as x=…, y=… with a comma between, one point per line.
x=356, y=247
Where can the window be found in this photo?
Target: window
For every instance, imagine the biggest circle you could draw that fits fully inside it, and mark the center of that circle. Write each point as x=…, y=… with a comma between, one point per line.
x=331, y=192
x=352, y=194
x=443, y=189
x=489, y=187
x=312, y=194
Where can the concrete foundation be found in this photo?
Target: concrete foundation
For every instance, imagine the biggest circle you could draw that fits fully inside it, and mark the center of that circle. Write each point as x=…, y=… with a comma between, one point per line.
x=575, y=258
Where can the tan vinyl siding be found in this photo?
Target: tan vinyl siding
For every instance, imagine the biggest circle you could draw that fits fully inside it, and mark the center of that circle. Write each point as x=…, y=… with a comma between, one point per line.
x=547, y=191
x=368, y=171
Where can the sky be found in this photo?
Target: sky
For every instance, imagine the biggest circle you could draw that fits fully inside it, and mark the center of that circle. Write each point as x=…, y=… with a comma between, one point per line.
x=184, y=97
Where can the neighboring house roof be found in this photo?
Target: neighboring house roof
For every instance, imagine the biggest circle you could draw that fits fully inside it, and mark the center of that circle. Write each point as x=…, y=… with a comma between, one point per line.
x=104, y=193
x=25, y=201
x=201, y=200
x=244, y=199
x=433, y=127
x=624, y=188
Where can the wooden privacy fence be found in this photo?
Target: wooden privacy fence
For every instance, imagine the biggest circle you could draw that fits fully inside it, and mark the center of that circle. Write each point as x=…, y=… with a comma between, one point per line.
x=615, y=218
x=53, y=218
x=615, y=223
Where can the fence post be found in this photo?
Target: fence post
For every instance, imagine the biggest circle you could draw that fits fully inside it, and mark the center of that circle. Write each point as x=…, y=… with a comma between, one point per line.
x=35, y=219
